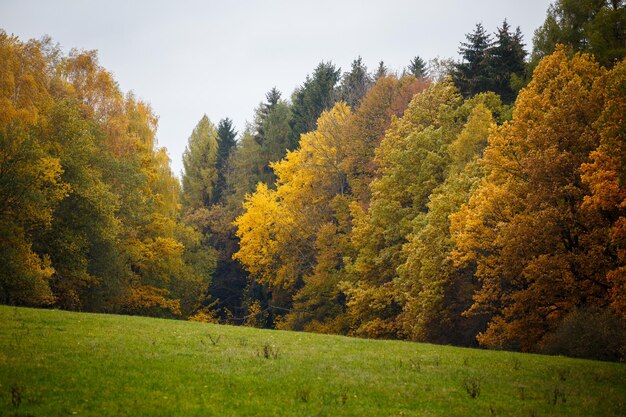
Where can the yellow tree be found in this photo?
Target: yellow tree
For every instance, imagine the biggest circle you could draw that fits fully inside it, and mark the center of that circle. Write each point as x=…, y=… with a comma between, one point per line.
x=523, y=228
x=387, y=98
x=278, y=228
x=435, y=292
x=30, y=177
x=605, y=174
x=411, y=162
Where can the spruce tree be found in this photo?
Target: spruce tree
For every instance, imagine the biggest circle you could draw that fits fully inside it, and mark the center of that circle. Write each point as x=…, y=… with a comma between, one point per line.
x=226, y=143
x=199, y=170
x=262, y=112
x=313, y=97
x=355, y=83
x=417, y=68
x=473, y=74
x=507, y=58
x=381, y=71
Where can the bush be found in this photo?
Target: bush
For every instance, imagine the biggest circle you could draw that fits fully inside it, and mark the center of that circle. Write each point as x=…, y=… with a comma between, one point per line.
x=590, y=333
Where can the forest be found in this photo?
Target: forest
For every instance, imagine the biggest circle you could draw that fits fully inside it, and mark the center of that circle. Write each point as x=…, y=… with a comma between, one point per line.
x=477, y=201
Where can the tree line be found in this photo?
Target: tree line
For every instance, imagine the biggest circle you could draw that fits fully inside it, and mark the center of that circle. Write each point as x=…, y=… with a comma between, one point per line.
x=470, y=202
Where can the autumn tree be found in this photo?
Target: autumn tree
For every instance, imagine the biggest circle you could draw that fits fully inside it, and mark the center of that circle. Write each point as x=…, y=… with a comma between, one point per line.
x=30, y=177
x=277, y=227
x=605, y=175
x=523, y=229
x=90, y=203
x=411, y=161
x=387, y=98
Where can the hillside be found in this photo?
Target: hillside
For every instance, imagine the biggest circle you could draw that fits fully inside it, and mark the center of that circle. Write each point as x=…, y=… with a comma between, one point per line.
x=55, y=363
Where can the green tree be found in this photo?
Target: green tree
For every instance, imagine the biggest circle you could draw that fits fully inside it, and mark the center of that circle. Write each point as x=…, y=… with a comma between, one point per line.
x=82, y=239
x=436, y=293
x=200, y=173
x=507, y=61
x=312, y=98
x=595, y=26
x=381, y=71
x=354, y=84
x=417, y=68
x=263, y=111
x=411, y=163
x=226, y=138
x=474, y=74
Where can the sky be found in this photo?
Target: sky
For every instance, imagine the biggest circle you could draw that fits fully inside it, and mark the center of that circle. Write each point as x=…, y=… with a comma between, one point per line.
x=219, y=58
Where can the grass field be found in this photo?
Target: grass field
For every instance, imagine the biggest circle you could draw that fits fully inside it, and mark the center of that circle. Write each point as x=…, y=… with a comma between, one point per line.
x=55, y=363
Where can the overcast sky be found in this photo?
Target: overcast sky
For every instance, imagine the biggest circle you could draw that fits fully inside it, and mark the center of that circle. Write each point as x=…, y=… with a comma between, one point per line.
x=188, y=58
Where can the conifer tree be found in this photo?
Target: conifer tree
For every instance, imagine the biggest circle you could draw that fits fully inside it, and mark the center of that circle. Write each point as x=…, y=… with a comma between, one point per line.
x=263, y=111
x=313, y=97
x=355, y=83
x=381, y=71
x=507, y=61
x=417, y=68
x=226, y=143
x=199, y=163
x=474, y=74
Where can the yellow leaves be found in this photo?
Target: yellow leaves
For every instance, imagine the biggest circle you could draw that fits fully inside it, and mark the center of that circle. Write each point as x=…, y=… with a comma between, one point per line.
x=149, y=300
x=538, y=249
x=313, y=170
x=473, y=138
x=257, y=229
x=372, y=309
x=277, y=227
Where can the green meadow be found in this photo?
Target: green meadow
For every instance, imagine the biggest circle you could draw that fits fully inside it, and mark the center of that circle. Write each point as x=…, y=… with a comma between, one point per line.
x=57, y=363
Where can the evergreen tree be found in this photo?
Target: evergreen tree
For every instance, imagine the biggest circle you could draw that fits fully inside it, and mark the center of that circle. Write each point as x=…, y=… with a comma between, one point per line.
x=262, y=112
x=272, y=132
x=474, y=74
x=314, y=96
x=381, y=71
x=507, y=61
x=417, y=68
x=199, y=163
x=226, y=142
x=355, y=84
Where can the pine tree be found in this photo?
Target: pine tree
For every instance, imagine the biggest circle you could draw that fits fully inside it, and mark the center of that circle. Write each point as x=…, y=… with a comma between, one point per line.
x=507, y=59
x=355, y=83
x=417, y=68
x=262, y=112
x=473, y=74
x=313, y=97
x=226, y=143
x=199, y=159
x=381, y=71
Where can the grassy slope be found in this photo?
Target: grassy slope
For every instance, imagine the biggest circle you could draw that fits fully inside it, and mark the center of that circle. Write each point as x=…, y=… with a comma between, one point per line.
x=56, y=363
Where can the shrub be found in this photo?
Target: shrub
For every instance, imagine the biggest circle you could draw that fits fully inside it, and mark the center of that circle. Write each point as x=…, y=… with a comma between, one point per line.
x=590, y=333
